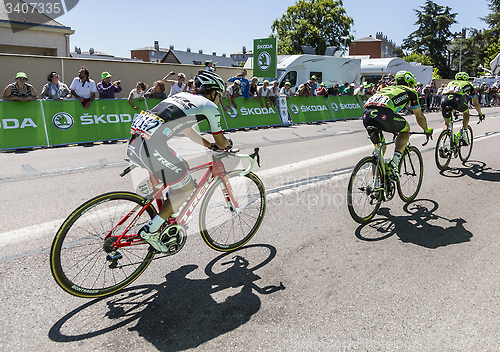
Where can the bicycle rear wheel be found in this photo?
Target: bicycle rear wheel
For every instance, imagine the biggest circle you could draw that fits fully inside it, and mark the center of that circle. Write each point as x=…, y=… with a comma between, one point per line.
x=411, y=171
x=79, y=255
x=465, y=150
x=443, y=150
x=225, y=228
x=363, y=202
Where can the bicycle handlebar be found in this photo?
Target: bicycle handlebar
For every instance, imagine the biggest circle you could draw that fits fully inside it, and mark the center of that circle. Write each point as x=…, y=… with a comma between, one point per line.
x=427, y=135
x=251, y=157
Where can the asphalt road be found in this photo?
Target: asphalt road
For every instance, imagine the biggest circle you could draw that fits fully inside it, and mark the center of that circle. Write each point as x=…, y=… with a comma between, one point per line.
x=422, y=276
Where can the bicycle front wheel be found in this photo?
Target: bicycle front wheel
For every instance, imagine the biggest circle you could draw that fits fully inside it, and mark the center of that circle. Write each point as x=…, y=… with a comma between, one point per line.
x=79, y=257
x=443, y=150
x=363, y=202
x=411, y=171
x=225, y=227
x=465, y=150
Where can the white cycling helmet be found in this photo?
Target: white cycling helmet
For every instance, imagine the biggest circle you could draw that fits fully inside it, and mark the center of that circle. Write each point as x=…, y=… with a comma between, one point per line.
x=209, y=81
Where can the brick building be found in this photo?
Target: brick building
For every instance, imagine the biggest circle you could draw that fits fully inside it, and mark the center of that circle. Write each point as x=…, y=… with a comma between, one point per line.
x=378, y=47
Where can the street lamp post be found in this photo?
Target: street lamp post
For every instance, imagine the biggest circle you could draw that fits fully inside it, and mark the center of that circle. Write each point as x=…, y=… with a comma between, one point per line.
x=462, y=36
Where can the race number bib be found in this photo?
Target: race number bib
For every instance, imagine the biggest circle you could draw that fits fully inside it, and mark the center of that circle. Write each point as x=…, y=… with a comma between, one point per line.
x=378, y=100
x=452, y=89
x=145, y=124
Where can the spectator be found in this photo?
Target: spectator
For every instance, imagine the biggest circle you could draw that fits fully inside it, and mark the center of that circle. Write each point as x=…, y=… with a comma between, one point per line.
x=190, y=86
x=274, y=92
x=349, y=90
x=254, y=87
x=304, y=90
x=344, y=87
x=209, y=66
x=369, y=89
x=264, y=92
x=390, y=80
x=244, y=83
x=286, y=90
x=157, y=91
x=313, y=85
x=322, y=89
x=360, y=91
x=137, y=93
x=334, y=90
x=177, y=86
x=233, y=91
x=83, y=88
x=427, y=97
x=20, y=90
x=107, y=89
x=55, y=89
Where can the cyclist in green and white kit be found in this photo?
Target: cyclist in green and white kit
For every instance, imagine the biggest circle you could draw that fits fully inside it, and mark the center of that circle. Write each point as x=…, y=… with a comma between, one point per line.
x=381, y=113
x=453, y=99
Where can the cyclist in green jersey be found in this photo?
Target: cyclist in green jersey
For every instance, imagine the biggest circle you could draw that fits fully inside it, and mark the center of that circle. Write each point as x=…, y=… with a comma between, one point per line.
x=381, y=113
x=453, y=99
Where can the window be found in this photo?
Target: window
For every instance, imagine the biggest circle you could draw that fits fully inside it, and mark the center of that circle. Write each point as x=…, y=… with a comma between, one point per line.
x=319, y=76
x=291, y=77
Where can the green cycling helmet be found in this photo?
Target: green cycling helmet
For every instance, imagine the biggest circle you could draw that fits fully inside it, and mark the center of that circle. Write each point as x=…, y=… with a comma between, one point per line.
x=406, y=78
x=462, y=76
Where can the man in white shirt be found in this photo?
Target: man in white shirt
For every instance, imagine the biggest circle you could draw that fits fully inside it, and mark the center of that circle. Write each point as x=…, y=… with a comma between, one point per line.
x=83, y=88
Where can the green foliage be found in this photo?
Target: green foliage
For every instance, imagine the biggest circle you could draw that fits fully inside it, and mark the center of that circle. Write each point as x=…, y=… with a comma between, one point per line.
x=433, y=34
x=435, y=74
x=420, y=58
x=318, y=23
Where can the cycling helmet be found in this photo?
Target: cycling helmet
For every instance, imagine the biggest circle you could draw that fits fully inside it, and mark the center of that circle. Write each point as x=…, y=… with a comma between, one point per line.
x=406, y=78
x=462, y=76
x=209, y=81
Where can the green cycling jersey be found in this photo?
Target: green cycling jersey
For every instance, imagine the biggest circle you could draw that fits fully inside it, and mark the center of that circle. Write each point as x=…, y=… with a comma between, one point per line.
x=460, y=87
x=394, y=98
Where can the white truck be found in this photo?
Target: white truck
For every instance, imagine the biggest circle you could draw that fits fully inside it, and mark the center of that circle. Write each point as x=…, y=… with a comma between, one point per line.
x=373, y=69
x=297, y=69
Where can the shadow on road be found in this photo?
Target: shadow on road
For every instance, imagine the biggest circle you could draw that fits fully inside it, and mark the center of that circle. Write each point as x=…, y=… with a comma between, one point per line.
x=180, y=313
x=474, y=169
x=415, y=228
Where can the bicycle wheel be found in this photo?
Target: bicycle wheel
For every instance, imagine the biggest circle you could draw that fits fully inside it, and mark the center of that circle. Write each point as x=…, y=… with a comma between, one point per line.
x=465, y=150
x=225, y=228
x=79, y=255
x=411, y=171
x=443, y=150
x=362, y=201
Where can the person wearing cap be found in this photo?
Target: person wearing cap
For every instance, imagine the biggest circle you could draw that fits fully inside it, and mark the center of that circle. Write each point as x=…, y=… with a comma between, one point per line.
x=286, y=90
x=234, y=91
x=244, y=84
x=177, y=86
x=322, y=89
x=343, y=87
x=360, y=91
x=313, y=84
x=304, y=90
x=20, y=90
x=209, y=66
x=83, y=88
x=107, y=89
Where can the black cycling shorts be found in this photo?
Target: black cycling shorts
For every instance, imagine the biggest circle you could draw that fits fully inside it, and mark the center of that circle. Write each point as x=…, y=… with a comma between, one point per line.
x=159, y=159
x=450, y=102
x=384, y=119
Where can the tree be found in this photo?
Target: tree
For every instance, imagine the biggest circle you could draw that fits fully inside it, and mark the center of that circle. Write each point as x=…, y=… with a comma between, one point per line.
x=318, y=23
x=493, y=19
x=420, y=58
x=433, y=35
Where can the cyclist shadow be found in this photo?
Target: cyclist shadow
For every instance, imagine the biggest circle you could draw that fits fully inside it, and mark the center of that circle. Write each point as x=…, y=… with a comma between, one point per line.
x=474, y=169
x=180, y=313
x=415, y=228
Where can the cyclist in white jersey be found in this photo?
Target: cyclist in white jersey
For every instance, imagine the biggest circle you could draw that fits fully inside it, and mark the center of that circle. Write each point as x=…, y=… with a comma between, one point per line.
x=151, y=132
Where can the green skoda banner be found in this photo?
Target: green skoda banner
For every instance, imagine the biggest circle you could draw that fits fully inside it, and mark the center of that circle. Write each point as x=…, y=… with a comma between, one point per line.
x=70, y=122
x=309, y=109
x=265, y=54
x=21, y=124
x=345, y=107
x=249, y=114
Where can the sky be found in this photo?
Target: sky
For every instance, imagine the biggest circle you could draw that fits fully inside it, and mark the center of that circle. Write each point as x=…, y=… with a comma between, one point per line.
x=117, y=26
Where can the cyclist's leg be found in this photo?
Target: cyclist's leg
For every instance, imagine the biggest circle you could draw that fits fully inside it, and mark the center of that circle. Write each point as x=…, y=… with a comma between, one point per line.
x=446, y=109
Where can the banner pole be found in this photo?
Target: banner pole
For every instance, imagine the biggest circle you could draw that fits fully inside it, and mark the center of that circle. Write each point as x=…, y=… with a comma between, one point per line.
x=44, y=124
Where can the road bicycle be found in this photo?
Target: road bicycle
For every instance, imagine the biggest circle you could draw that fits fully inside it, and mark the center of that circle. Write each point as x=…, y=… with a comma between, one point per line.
x=451, y=144
x=97, y=251
x=372, y=182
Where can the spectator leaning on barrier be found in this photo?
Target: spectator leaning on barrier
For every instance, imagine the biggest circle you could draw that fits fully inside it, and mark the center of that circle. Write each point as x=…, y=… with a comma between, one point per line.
x=244, y=83
x=137, y=93
x=177, y=86
x=107, y=89
x=274, y=92
x=322, y=90
x=264, y=92
x=157, y=91
x=360, y=91
x=20, y=90
x=343, y=87
x=55, y=89
x=190, y=86
x=254, y=87
x=349, y=90
x=313, y=85
x=334, y=90
x=233, y=91
x=83, y=88
x=286, y=90
x=304, y=90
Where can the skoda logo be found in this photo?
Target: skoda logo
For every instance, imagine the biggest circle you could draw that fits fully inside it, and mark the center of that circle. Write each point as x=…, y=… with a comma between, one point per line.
x=63, y=120
x=232, y=112
x=334, y=106
x=264, y=60
x=294, y=109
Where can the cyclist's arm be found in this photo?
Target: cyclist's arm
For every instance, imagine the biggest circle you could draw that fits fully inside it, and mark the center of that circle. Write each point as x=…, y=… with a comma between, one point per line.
x=421, y=120
x=193, y=135
x=477, y=105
